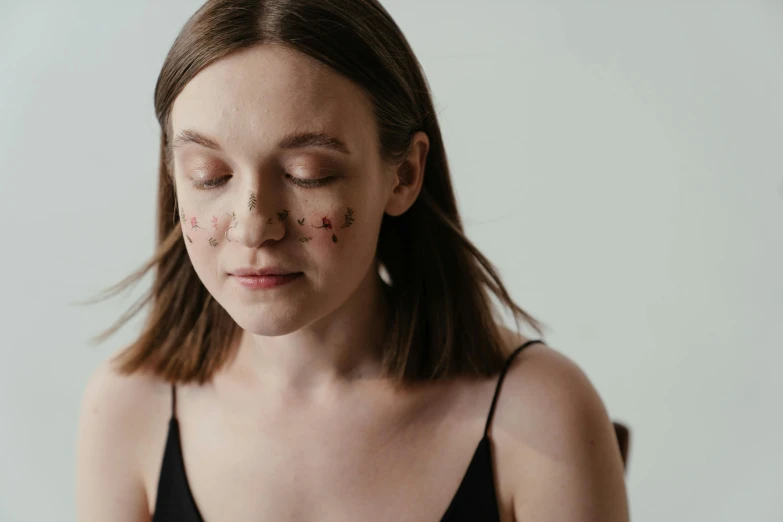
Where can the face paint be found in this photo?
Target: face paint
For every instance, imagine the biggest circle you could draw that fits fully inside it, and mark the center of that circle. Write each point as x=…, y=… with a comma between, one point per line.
x=326, y=223
x=195, y=226
x=233, y=217
x=348, y=218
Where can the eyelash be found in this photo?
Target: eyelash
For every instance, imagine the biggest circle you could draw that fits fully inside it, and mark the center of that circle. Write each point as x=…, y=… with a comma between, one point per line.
x=307, y=184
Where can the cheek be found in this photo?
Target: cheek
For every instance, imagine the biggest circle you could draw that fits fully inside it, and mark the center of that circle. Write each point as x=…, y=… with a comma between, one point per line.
x=339, y=244
x=205, y=229
x=327, y=230
x=330, y=229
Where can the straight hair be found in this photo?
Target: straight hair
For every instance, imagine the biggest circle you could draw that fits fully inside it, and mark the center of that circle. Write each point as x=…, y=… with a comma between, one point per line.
x=442, y=320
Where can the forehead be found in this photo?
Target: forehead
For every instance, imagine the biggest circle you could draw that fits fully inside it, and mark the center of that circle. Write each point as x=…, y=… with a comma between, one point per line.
x=249, y=99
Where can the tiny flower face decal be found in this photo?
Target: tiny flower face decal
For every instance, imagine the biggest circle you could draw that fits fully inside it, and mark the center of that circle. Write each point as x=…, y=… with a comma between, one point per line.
x=233, y=224
x=348, y=218
x=326, y=224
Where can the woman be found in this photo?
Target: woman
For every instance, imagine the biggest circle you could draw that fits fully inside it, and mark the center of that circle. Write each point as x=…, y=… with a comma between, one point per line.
x=360, y=379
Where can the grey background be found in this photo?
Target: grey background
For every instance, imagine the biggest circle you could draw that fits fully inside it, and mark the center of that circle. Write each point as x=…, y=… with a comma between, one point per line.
x=620, y=163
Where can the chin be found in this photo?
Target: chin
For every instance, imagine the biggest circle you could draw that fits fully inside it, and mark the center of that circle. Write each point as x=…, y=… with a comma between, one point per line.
x=266, y=327
x=268, y=321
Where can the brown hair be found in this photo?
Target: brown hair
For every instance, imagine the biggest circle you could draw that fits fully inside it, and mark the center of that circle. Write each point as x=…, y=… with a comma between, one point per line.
x=442, y=321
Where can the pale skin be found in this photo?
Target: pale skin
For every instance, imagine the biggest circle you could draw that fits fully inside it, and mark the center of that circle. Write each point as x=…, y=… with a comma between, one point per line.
x=299, y=426
x=326, y=224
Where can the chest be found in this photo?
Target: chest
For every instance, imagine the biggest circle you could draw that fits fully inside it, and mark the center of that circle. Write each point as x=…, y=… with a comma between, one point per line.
x=314, y=468
x=298, y=482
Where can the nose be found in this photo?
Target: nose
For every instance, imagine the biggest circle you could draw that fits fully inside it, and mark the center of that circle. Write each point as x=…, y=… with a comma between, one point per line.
x=258, y=219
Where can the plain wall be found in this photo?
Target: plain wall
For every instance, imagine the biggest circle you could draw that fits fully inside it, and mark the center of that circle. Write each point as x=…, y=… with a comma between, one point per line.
x=619, y=162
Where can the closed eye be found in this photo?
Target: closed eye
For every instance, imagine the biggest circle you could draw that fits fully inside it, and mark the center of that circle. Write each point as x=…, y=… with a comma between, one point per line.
x=300, y=182
x=310, y=183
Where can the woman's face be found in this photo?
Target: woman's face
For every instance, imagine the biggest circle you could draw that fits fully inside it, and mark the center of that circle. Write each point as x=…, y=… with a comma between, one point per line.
x=255, y=189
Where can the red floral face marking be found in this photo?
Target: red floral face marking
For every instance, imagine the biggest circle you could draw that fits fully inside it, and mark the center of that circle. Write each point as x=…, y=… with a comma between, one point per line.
x=194, y=223
x=326, y=224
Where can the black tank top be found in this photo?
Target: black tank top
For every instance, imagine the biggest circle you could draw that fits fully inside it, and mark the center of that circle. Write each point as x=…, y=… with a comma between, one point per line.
x=474, y=500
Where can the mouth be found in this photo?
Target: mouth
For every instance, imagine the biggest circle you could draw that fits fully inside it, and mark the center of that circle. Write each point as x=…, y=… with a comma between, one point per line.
x=260, y=282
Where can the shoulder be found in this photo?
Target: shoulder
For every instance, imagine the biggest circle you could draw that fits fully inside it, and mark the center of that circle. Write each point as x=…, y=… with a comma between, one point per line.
x=110, y=392
x=117, y=425
x=553, y=431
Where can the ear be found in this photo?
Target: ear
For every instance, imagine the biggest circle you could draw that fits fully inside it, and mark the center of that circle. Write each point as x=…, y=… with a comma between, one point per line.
x=408, y=176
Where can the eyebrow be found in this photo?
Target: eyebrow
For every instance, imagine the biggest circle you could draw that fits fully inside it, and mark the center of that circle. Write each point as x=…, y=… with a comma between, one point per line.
x=295, y=140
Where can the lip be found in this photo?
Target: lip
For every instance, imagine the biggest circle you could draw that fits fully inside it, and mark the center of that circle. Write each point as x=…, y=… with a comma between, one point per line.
x=256, y=282
x=270, y=270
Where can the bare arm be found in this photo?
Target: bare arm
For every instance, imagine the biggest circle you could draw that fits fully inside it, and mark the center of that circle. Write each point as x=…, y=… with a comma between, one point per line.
x=108, y=478
x=570, y=466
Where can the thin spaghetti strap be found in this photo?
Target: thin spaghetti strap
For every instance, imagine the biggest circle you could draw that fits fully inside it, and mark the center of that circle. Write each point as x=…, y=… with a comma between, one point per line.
x=173, y=400
x=500, y=380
